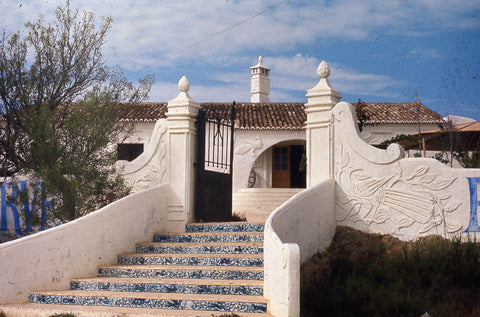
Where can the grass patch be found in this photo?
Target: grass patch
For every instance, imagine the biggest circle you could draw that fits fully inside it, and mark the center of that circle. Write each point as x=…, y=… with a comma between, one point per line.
x=376, y=275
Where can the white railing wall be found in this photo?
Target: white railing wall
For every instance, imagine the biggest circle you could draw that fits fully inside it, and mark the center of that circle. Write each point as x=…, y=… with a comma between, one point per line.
x=49, y=259
x=299, y=228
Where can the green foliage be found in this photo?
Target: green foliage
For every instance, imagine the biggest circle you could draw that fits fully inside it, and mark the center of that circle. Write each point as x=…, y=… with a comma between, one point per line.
x=439, y=276
x=362, y=114
x=58, y=103
x=399, y=138
x=468, y=159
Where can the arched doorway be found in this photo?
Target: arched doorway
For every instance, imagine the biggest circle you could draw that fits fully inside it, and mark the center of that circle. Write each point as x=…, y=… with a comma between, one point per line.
x=280, y=166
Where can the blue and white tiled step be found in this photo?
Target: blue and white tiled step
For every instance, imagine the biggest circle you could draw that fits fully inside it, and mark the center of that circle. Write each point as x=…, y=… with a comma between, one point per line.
x=225, y=303
x=211, y=267
x=201, y=248
x=204, y=237
x=200, y=286
x=188, y=272
x=225, y=227
x=255, y=260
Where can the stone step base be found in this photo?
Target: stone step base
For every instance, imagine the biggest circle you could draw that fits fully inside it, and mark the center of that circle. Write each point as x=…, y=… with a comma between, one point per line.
x=190, y=286
x=255, y=260
x=203, y=302
x=185, y=272
x=44, y=310
x=256, y=204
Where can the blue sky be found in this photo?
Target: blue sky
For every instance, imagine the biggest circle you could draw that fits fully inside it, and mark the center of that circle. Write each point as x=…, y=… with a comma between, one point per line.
x=379, y=51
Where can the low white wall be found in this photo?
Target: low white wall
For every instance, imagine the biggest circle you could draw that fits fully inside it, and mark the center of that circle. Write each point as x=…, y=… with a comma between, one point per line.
x=150, y=168
x=299, y=228
x=49, y=259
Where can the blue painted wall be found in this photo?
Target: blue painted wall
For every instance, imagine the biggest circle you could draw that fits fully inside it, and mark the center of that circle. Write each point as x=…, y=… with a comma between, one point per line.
x=17, y=210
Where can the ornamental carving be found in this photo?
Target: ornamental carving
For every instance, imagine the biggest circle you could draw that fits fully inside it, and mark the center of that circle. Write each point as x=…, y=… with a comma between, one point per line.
x=150, y=168
x=406, y=198
x=250, y=147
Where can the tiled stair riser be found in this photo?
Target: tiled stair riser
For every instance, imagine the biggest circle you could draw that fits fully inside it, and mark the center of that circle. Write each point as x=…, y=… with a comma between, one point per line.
x=208, y=238
x=225, y=228
x=131, y=260
x=168, y=288
x=187, y=274
x=199, y=249
x=150, y=303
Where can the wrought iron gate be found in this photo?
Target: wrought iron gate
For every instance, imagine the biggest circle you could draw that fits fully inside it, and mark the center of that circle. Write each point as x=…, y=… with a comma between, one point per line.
x=213, y=189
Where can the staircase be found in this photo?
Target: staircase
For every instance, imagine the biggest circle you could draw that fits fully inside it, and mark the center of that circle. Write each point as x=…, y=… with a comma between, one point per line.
x=211, y=269
x=256, y=204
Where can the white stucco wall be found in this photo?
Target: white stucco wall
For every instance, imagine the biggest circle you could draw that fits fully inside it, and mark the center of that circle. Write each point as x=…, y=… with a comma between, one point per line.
x=302, y=226
x=49, y=259
x=141, y=133
x=249, y=145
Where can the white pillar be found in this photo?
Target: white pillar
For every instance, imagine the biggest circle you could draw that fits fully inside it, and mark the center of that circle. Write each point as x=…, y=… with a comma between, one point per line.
x=321, y=100
x=181, y=116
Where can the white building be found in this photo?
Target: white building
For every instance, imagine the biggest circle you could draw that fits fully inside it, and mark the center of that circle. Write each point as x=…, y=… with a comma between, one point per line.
x=270, y=137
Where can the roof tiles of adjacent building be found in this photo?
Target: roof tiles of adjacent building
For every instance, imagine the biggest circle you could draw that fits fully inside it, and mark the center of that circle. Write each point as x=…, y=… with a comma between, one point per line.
x=409, y=112
x=277, y=115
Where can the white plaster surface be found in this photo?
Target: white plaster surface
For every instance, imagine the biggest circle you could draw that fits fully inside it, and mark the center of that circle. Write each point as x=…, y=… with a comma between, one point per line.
x=141, y=133
x=149, y=169
x=250, y=145
x=302, y=226
x=49, y=259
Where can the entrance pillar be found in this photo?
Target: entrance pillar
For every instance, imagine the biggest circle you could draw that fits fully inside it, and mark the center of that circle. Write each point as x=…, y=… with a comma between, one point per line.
x=181, y=117
x=321, y=99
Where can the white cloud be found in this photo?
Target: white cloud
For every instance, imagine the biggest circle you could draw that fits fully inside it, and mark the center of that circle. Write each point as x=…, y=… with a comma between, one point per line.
x=154, y=33
x=424, y=54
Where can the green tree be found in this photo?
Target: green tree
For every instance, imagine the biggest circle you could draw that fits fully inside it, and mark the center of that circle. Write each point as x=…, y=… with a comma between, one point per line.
x=58, y=101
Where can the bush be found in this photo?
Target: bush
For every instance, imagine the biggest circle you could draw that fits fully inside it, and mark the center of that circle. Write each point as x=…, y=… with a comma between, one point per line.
x=388, y=277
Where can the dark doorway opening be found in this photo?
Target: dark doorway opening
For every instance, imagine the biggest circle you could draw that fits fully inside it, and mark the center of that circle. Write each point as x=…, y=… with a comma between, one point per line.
x=287, y=166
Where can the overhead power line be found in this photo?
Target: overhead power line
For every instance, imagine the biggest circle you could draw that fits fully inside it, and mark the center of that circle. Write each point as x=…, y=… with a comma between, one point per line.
x=225, y=30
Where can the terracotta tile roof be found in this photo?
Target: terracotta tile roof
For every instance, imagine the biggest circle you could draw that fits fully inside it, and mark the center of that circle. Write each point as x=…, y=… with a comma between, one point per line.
x=143, y=112
x=284, y=115
x=265, y=115
x=410, y=112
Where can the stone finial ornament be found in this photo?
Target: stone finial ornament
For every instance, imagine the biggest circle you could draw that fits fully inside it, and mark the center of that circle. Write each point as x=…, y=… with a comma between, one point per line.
x=323, y=70
x=260, y=60
x=183, y=84
x=323, y=93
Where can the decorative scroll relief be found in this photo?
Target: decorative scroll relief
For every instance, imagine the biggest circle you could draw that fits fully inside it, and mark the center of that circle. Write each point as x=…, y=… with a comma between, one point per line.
x=347, y=130
x=150, y=168
x=407, y=202
x=378, y=192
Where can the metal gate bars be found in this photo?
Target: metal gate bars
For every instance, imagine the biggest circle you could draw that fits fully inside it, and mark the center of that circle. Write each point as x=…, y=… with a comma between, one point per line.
x=213, y=188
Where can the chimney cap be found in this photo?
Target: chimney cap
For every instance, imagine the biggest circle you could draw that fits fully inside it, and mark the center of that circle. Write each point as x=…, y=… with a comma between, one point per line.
x=260, y=64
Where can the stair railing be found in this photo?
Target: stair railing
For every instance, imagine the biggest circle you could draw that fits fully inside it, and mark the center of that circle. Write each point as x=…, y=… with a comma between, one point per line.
x=302, y=226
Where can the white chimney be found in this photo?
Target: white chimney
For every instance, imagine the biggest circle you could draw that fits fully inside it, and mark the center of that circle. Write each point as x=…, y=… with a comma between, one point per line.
x=260, y=83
